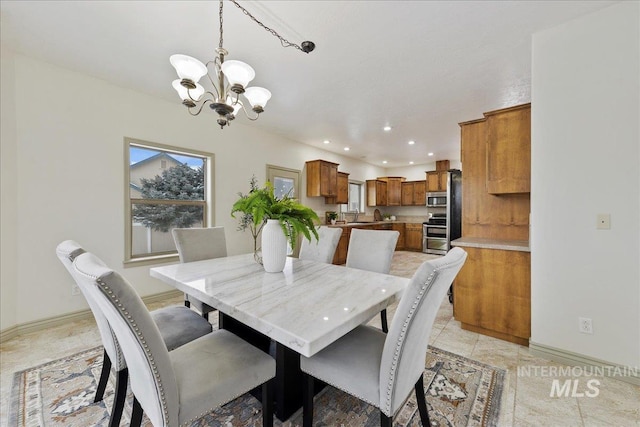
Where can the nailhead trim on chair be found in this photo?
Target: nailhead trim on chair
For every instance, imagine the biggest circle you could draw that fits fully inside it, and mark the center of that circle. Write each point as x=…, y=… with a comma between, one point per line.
x=72, y=256
x=400, y=344
x=141, y=339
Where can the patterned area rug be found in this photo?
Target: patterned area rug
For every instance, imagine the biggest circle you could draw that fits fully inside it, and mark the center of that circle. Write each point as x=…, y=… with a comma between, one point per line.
x=459, y=392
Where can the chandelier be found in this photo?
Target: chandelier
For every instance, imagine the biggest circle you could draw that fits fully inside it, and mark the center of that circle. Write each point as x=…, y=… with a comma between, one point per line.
x=229, y=80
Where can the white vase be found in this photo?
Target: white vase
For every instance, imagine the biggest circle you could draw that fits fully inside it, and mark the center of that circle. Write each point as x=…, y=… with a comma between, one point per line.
x=274, y=247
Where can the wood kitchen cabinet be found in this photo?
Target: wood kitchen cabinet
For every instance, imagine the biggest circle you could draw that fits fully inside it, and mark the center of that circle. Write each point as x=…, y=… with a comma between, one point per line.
x=492, y=294
x=322, y=178
x=400, y=228
x=340, y=256
x=437, y=181
x=487, y=215
x=413, y=237
x=509, y=150
x=376, y=192
x=394, y=190
x=413, y=193
x=420, y=193
x=406, y=198
x=342, y=196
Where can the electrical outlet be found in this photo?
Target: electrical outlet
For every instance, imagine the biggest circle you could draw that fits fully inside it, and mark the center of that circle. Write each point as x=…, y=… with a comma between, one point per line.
x=75, y=290
x=585, y=325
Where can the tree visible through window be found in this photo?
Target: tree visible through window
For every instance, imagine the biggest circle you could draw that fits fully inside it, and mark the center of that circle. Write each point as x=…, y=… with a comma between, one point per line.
x=179, y=182
x=167, y=189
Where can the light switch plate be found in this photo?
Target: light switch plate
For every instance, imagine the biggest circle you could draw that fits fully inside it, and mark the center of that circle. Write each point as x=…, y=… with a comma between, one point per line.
x=604, y=222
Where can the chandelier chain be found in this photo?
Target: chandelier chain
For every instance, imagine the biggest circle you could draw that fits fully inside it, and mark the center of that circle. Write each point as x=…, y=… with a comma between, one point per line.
x=220, y=13
x=283, y=41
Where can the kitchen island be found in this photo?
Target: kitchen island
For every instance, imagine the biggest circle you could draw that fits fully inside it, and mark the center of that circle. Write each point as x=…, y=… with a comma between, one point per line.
x=410, y=235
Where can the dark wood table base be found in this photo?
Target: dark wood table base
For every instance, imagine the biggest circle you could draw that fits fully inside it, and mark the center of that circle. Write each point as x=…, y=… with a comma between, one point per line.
x=288, y=381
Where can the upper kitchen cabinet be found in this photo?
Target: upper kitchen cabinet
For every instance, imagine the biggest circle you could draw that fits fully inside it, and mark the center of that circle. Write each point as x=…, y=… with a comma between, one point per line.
x=342, y=196
x=376, y=192
x=414, y=193
x=436, y=181
x=509, y=150
x=322, y=178
x=394, y=189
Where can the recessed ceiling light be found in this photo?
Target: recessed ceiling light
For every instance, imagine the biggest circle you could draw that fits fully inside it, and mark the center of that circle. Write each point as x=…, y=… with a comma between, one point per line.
x=384, y=162
x=410, y=163
x=346, y=148
x=411, y=142
x=429, y=154
x=386, y=128
x=326, y=141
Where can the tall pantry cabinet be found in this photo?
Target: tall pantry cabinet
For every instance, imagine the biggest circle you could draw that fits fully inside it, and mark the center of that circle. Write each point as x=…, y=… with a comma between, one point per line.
x=492, y=292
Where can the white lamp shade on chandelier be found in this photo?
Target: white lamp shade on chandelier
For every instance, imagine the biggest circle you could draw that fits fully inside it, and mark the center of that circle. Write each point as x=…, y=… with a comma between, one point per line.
x=237, y=72
x=188, y=68
x=257, y=96
x=188, y=94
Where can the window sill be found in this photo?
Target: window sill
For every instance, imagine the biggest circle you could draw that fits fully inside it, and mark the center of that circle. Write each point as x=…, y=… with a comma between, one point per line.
x=150, y=260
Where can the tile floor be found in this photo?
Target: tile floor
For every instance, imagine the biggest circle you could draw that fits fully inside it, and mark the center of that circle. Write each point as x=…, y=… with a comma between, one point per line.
x=526, y=400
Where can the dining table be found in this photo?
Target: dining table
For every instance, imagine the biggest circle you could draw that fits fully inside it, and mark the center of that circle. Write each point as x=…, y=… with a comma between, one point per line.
x=298, y=311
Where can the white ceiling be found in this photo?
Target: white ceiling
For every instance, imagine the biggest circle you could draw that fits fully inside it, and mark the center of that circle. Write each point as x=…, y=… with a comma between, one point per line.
x=419, y=66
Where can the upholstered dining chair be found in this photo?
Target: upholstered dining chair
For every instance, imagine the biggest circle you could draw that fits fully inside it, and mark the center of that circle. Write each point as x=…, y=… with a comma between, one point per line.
x=178, y=325
x=196, y=244
x=323, y=249
x=372, y=250
x=381, y=369
x=178, y=387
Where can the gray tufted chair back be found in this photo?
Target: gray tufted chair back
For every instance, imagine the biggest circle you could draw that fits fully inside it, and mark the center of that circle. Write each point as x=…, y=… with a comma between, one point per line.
x=324, y=248
x=406, y=344
x=67, y=252
x=371, y=250
x=151, y=374
x=196, y=244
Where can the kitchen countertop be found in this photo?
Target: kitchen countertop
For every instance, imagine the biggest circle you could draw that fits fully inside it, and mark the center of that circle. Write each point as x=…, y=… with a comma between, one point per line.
x=361, y=224
x=367, y=223
x=484, y=243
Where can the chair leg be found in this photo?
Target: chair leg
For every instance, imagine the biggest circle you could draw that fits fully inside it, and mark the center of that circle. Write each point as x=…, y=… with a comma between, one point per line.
x=136, y=413
x=267, y=404
x=104, y=377
x=385, y=421
x=307, y=400
x=383, y=319
x=422, y=402
x=119, y=397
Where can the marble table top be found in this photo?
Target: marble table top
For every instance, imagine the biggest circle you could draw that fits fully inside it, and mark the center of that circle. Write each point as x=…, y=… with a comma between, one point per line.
x=306, y=307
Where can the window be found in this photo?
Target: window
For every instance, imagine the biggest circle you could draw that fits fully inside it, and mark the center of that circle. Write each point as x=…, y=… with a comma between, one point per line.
x=356, y=197
x=166, y=187
x=284, y=180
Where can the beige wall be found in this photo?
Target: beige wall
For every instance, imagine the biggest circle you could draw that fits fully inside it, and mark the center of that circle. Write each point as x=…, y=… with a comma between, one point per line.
x=63, y=161
x=585, y=160
x=8, y=192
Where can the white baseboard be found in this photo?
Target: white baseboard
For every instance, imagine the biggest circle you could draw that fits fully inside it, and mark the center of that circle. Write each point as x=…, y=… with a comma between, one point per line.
x=38, y=325
x=629, y=374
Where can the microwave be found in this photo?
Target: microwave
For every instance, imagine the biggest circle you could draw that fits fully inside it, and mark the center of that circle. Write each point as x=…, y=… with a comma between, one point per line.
x=437, y=199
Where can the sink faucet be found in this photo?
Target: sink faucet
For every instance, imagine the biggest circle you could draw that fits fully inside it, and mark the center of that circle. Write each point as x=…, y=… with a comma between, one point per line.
x=355, y=215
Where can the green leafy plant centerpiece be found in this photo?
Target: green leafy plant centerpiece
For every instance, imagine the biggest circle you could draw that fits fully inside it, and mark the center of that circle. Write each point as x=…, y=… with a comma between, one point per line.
x=260, y=204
